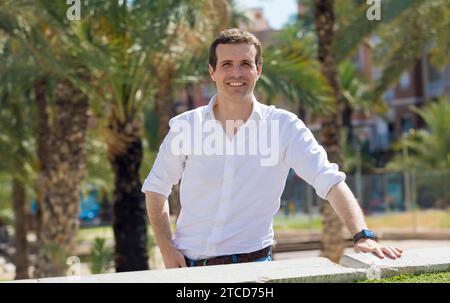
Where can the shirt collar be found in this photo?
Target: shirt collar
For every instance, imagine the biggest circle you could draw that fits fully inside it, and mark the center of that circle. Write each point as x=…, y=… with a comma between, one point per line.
x=256, y=108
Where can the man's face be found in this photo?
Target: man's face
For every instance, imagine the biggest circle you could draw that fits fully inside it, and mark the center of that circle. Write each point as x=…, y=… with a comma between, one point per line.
x=236, y=72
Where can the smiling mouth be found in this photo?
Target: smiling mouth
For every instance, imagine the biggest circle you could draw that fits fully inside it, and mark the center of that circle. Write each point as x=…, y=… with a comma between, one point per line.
x=236, y=84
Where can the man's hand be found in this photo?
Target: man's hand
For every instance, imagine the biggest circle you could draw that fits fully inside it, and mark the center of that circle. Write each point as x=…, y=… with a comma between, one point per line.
x=173, y=258
x=369, y=245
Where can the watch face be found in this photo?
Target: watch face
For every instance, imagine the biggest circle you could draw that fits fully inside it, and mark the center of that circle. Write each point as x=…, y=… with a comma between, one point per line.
x=368, y=233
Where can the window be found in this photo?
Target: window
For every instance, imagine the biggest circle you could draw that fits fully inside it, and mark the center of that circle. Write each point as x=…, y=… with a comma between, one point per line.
x=406, y=123
x=434, y=75
x=405, y=80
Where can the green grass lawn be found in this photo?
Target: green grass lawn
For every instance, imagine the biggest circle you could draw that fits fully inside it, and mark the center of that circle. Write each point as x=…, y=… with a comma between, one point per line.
x=296, y=222
x=441, y=277
x=90, y=233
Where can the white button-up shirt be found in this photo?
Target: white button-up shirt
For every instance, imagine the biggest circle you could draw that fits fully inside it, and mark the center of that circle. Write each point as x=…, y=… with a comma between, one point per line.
x=228, y=200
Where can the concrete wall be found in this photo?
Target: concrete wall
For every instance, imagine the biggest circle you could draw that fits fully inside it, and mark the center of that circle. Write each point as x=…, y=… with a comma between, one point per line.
x=354, y=267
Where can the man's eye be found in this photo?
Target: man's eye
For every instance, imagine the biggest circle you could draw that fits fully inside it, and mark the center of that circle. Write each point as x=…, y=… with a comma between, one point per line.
x=226, y=64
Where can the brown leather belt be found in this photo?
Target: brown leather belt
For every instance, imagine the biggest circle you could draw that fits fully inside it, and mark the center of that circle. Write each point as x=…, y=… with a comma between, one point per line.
x=229, y=259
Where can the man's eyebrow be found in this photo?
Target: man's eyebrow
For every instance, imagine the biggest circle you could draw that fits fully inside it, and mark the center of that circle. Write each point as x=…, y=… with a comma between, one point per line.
x=244, y=60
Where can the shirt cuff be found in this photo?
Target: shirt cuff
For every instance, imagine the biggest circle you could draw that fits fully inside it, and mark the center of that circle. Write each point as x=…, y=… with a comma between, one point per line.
x=154, y=185
x=327, y=179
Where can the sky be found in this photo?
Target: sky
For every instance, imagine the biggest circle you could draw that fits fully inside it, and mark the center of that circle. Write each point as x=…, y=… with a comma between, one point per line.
x=277, y=12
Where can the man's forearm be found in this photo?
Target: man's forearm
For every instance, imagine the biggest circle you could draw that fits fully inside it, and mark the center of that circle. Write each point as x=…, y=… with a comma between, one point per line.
x=347, y=208
x=158, y=213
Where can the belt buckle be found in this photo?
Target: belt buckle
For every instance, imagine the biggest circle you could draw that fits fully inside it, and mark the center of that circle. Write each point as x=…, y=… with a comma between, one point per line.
x=205, y=261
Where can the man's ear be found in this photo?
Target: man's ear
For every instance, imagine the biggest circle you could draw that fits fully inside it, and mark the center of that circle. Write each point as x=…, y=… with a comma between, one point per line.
x=211, y=72
x=259, y=70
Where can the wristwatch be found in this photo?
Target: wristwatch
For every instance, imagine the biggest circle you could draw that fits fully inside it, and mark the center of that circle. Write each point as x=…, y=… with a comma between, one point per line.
x=365, y=233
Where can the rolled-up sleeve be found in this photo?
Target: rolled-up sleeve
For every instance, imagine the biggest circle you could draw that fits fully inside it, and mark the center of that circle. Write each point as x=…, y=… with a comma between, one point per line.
x=309, y=159
x=167, y=168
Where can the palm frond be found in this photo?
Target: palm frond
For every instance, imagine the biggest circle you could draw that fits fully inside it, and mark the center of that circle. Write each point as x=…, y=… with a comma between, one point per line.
x=354, y=25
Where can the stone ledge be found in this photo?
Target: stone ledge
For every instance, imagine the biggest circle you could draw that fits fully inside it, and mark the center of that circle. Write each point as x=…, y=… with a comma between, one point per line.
x=413, y=261
x=354, y=267
x=314, y=270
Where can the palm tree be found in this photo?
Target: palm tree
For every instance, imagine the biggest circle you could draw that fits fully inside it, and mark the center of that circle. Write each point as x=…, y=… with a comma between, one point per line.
x=185, y=22
x=117, y=43
x=338, y=38
x=16, y=145
x=355, y=95
x=420, y=30
x=429, y=148
x=11, y=164
x=425, y=153
x=409, y=28
x=332, y=243
x=60, y=203
x=353, y=26
x=61, y=131
x=352, y=30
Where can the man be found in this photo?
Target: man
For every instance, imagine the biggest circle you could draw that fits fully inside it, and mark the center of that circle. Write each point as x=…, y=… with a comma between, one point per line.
x=228, y=198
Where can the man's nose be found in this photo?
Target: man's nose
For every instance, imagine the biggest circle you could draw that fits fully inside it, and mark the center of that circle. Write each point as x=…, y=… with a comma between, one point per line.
x=236, y=71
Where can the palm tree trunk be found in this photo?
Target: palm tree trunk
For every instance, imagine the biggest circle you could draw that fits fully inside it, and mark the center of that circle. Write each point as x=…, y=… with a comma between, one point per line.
x=60, y=181
x=129, y=215
x=20, y=230
x=164, y=110
x=164, y=96
x=332, y=241
x=190, y=95
x=42, y=136
x=301, y=112
x=347, y=113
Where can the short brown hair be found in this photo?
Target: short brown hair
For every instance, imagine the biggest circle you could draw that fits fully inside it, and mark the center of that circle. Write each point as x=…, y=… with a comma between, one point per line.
x=234, y=36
